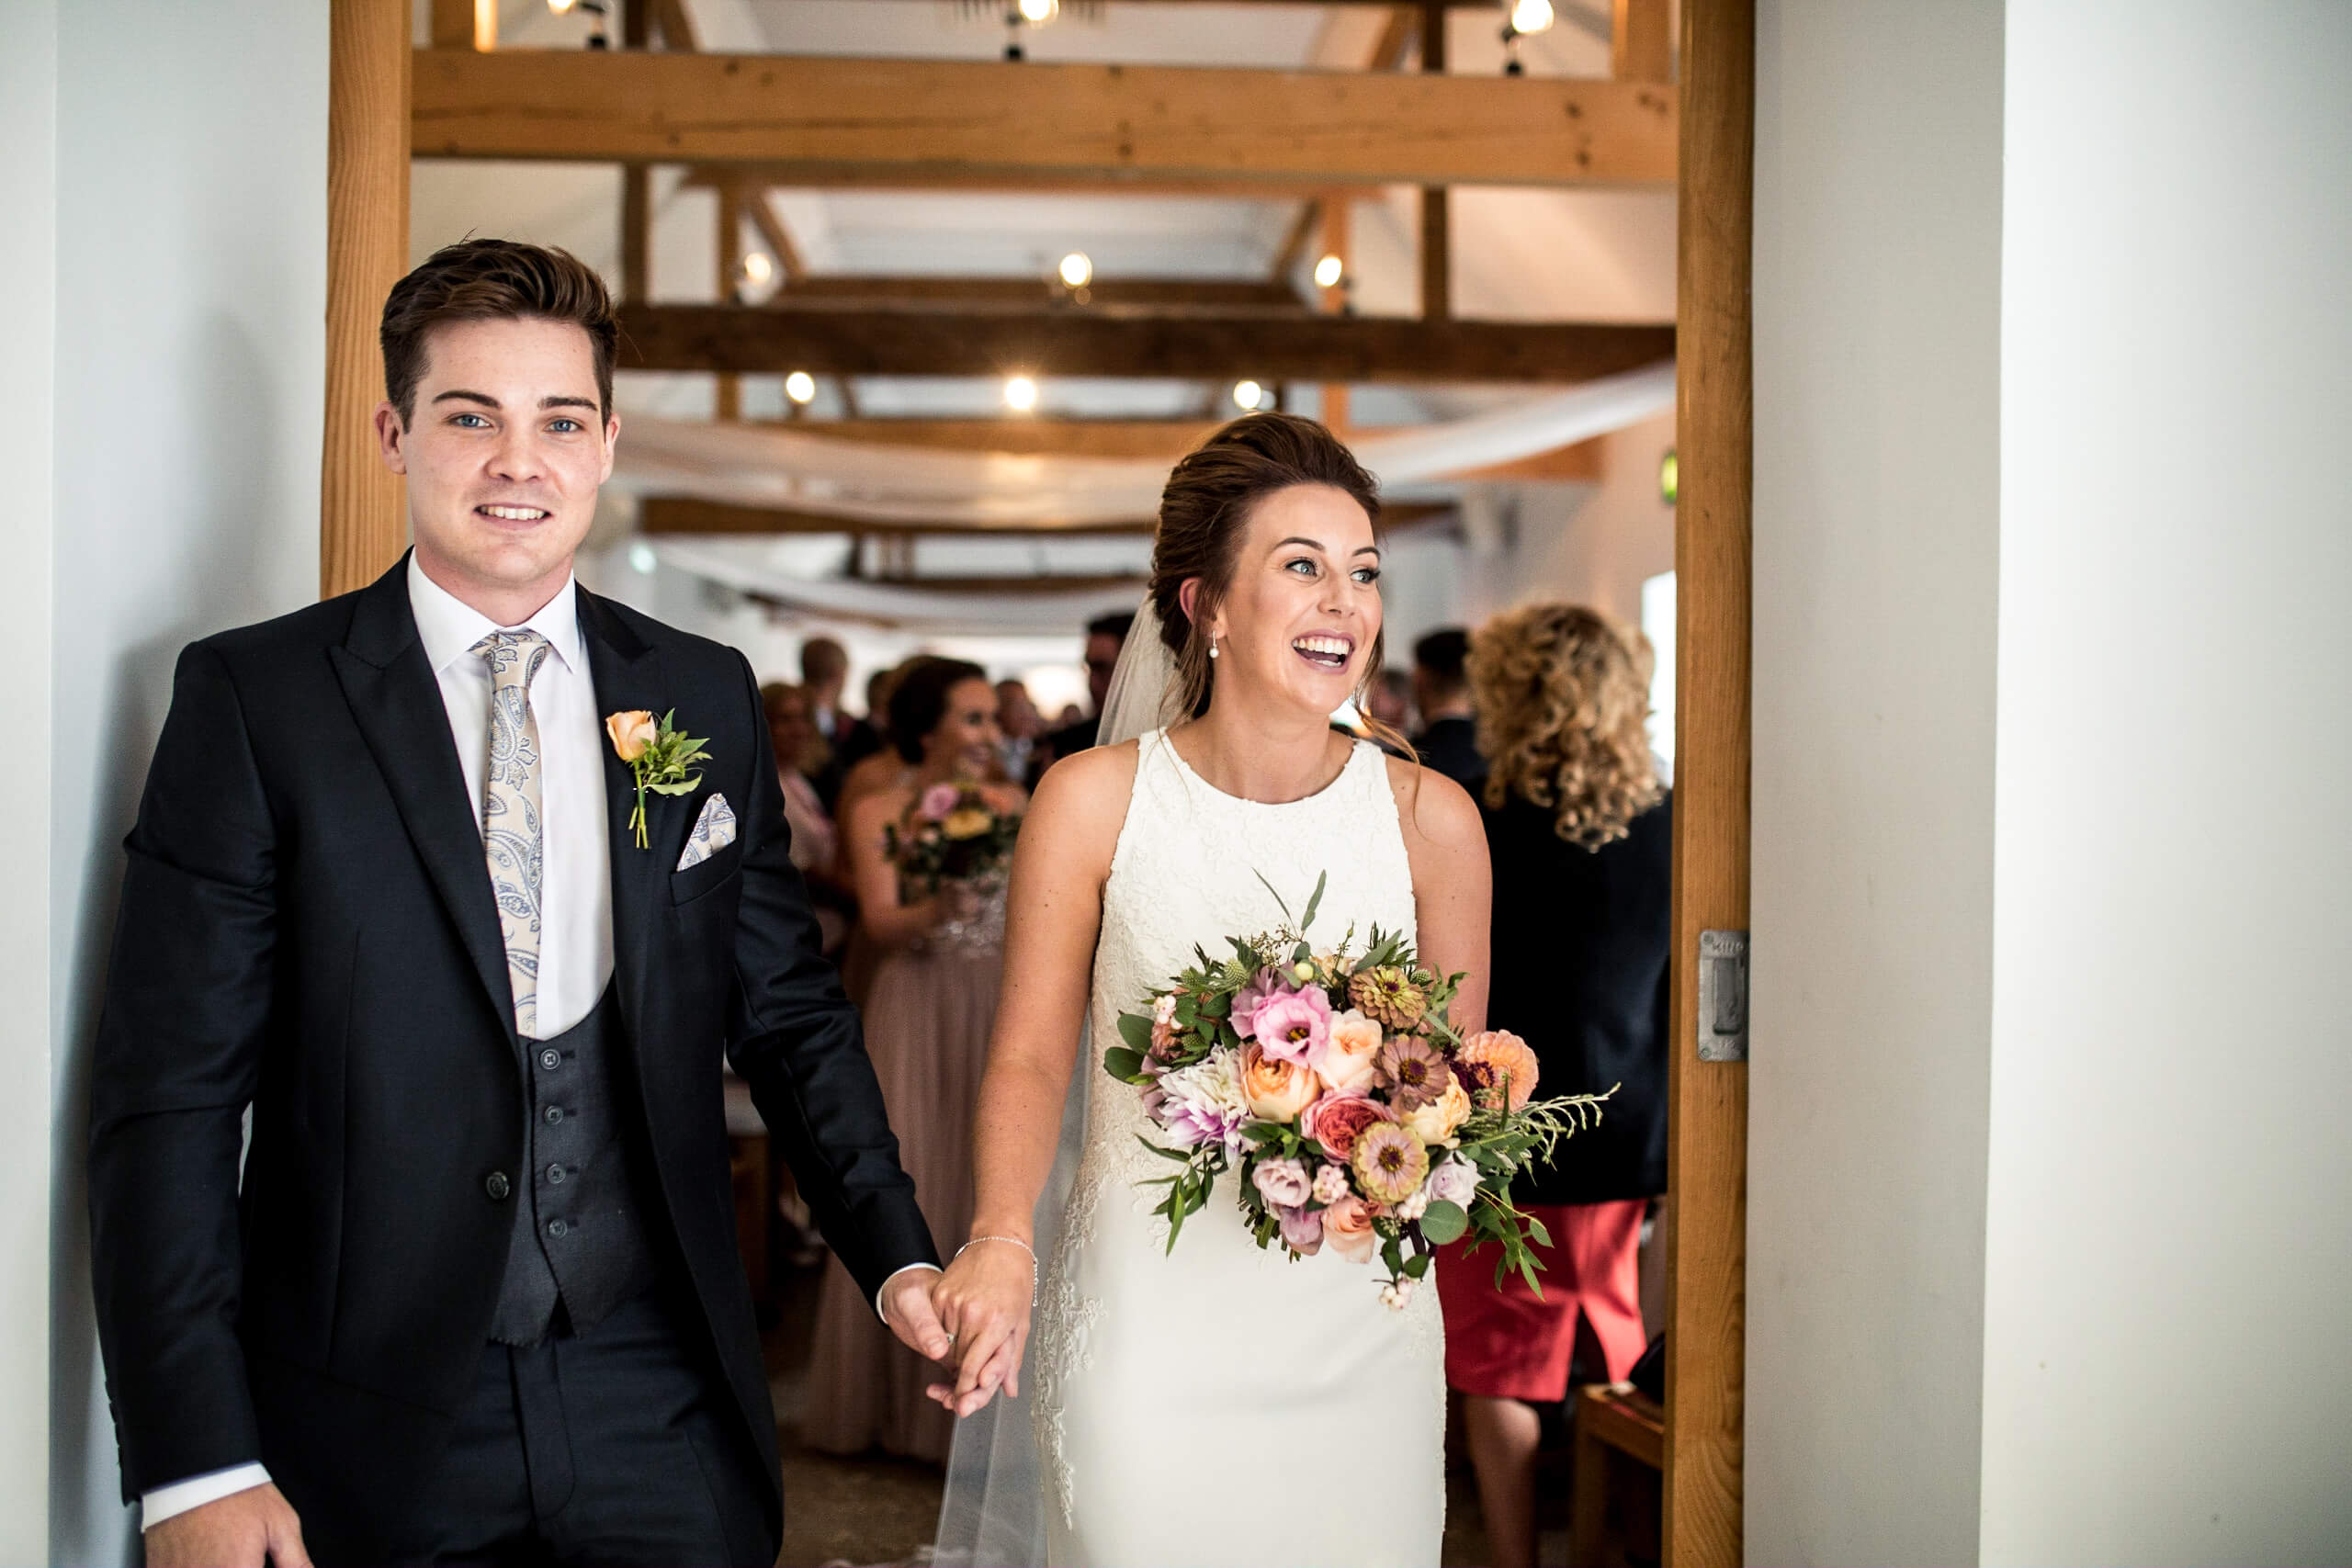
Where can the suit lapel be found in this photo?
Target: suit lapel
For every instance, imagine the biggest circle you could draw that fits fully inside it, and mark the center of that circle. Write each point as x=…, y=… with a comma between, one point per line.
x=629, y=675
x=397, y=702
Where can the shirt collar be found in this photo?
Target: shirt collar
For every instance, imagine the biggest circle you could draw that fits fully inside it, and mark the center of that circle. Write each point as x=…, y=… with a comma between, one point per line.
x=449, y=627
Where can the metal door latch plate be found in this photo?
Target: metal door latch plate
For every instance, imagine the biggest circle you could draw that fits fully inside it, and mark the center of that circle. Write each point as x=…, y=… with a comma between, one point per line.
x=1723, y=996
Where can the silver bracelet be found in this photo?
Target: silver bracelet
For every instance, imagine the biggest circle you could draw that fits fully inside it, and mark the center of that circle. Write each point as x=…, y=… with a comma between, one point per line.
x=1015, y=1240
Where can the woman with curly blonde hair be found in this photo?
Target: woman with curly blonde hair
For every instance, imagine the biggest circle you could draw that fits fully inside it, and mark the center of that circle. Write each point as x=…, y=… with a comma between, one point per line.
x=1579, y=829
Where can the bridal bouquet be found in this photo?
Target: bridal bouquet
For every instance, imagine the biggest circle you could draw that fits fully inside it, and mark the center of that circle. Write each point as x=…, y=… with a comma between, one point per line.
x=1357, y=1117
x=952, y=835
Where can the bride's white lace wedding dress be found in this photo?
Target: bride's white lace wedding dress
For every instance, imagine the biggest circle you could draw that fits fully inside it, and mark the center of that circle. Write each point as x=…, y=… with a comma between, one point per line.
x=1224, y=1404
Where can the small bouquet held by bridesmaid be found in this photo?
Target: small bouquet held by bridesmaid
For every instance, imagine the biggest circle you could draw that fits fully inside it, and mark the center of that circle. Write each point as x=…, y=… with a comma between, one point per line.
x=1357, y=1116
x=951, y=835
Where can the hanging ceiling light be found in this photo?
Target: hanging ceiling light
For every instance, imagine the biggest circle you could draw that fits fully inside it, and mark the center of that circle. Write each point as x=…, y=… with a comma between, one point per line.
x=1078, y=269
x=800, y=387
x=1530, y=16
x=1037, y=13
x=1020, y=393
x=1249, y=396
x=757, y=267
x=1328, y=271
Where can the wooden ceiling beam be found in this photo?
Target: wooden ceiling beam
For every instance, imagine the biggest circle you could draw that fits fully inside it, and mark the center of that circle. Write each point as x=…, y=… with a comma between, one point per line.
x=674, y=514
x=851, y=340
x=1129, y=293
x=1099, y=122
x=1162, y=440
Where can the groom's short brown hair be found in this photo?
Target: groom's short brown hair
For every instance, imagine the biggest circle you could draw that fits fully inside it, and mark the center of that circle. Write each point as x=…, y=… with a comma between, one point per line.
x=489, y=280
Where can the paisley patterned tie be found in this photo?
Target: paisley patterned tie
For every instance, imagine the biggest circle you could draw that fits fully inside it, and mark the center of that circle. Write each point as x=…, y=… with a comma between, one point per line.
x=512, y=837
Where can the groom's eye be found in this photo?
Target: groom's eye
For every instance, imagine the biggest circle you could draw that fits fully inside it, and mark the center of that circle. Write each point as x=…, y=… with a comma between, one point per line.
x=479, y=422
x=565, y=426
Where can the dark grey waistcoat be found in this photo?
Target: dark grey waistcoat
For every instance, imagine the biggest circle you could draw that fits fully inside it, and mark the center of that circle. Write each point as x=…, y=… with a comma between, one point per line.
x=579, y=1215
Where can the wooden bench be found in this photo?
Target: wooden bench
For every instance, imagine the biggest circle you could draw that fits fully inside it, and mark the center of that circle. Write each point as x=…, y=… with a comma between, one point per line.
x=1616, y=1486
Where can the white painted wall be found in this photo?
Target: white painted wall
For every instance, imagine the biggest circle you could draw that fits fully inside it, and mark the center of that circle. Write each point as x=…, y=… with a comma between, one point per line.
x=1877, y=387
x=28, y=282
x=188, y=293
x=2048, y=1240
x=2167, y=1341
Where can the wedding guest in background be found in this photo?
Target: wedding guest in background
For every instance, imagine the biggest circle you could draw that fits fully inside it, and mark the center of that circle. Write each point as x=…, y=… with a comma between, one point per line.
x=1581, y=831
x=873, y=764
x=1018, y=717
x=1448, y=740
x=1391, y=700
x=792, y=732
x=1105, y=635
x=929, y=856
x=825, y=672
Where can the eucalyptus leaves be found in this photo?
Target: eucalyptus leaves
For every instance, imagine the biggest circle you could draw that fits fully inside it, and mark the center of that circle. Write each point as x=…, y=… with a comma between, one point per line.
x=658, y=754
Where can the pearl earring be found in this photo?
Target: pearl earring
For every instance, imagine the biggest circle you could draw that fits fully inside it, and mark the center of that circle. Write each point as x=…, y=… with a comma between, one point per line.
x=1212, y=647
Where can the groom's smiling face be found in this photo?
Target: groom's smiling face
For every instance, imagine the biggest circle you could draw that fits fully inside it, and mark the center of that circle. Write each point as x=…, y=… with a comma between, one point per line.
x=504, y=450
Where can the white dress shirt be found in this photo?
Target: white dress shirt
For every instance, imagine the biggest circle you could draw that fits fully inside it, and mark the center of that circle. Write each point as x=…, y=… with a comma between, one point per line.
x=576, y=888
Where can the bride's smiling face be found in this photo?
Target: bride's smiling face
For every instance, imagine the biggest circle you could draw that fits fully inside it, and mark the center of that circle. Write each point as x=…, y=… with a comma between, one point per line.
x=1300, y=617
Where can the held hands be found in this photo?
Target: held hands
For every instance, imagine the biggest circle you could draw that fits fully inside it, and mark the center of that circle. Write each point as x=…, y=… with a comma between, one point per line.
x=236, y=1531
x=983, y=1301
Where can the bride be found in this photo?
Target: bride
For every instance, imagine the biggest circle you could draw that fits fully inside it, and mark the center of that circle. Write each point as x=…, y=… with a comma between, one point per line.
x=1219, y=1404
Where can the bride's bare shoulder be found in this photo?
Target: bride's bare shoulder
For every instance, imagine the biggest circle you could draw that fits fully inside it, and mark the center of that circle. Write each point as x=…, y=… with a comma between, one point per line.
x=1081, y=803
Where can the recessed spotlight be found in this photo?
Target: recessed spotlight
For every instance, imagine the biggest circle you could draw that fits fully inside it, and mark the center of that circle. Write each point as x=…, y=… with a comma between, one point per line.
x=1328, y=271
x=801, y=385
x=1020, y=393
x=1078, y=269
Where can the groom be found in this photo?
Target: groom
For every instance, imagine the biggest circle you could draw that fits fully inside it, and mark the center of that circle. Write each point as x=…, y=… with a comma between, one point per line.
x=470, y=1291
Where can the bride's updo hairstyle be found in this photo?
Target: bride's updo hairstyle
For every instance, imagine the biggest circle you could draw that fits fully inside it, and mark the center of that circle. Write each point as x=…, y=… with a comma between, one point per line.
x=1205, y=510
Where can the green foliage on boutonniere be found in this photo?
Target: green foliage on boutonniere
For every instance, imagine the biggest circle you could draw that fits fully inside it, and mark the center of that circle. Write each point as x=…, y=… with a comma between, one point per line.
x=658, y=754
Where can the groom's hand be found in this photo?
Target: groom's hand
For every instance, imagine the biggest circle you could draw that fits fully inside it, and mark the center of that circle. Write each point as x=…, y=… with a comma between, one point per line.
x=906, y=1308
x=236, y=1531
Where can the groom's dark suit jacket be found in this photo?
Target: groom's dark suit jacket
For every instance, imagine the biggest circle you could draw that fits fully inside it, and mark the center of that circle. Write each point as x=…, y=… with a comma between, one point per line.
x=307, y=928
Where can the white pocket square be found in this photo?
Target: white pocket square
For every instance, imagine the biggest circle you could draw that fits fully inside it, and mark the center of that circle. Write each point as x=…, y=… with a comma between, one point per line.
x=714, y=830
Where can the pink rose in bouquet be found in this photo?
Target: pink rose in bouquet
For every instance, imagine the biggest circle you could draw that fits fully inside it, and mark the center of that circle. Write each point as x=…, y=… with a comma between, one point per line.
x=1350, y=1051
x=938, y=802
x=1283, y=1181
x=1294, y=1025
x=1276, y=1090
x=1302, y=1231
x=1338, y=1119
x=1347, y=1225
x=1456, y=1181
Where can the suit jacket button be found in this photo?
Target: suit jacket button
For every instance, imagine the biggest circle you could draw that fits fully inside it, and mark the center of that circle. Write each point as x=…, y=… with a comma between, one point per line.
x=557, y=1228
x=550, y=1058
x=555, y=1173
x=496, y=1185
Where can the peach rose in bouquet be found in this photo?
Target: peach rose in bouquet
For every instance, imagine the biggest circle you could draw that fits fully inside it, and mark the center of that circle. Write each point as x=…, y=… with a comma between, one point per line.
x=1437, y=1121
x=1347, y=1226
x=1351, y=1049
x=1276, y=1090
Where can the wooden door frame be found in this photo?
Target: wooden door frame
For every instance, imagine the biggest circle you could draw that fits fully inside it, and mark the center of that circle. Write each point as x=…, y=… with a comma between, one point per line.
x=1706, y=1252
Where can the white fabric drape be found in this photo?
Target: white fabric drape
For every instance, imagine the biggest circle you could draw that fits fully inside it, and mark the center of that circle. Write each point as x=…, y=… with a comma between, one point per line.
x=858, y=480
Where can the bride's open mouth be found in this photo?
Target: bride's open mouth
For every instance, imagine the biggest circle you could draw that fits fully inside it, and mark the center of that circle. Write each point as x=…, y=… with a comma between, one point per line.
x=1325, y=651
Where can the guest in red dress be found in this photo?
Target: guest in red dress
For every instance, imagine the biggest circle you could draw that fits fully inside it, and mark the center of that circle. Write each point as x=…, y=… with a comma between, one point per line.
x=1579, y=828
